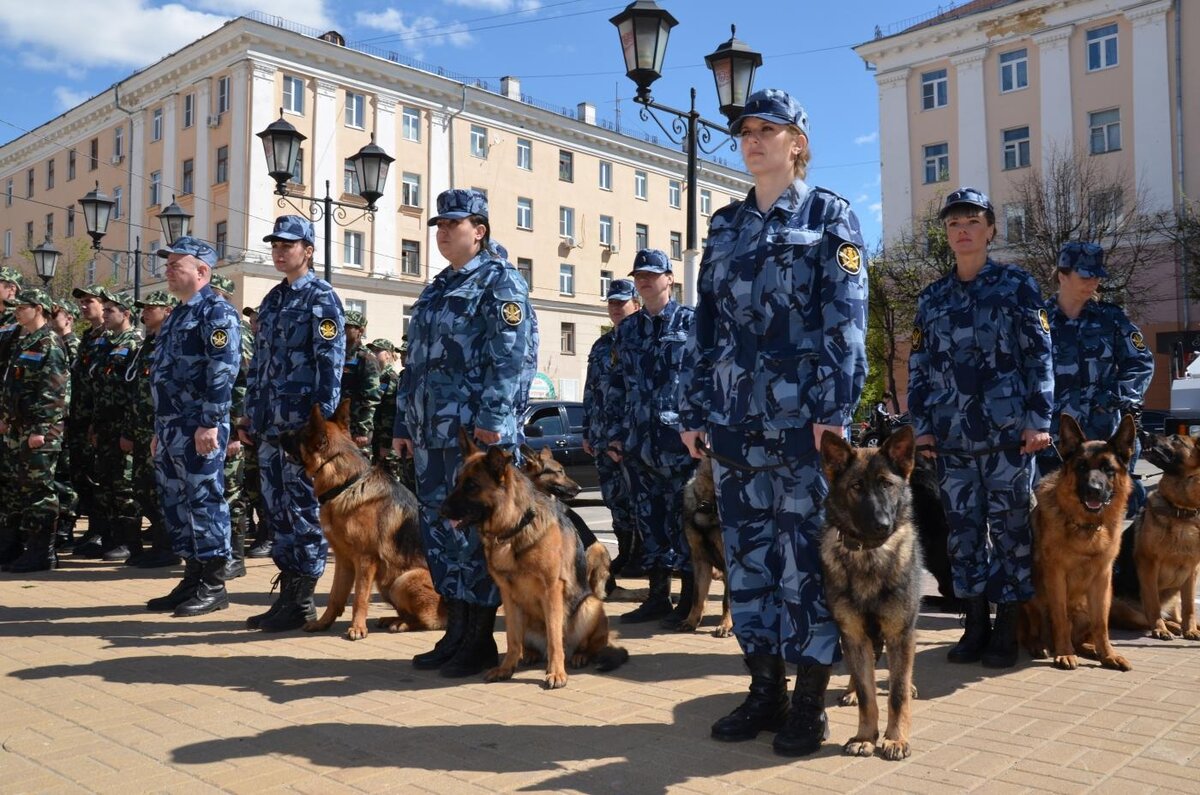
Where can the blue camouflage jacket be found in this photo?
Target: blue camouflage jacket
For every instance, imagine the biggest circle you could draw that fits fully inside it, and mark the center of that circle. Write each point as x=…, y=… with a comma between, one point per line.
x=196, y=359
x=599, y=368
x=981, y=370
x=299, y=352
x=471, y=346
x=780, y=337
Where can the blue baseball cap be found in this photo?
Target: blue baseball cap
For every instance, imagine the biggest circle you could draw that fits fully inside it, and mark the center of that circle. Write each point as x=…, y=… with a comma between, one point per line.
x=968, y=197
x=455, y=204
x=621, y=290
x=1086, y=259
x=292, y=227
x=193, y=247
x=772, y=104
x=651, y=260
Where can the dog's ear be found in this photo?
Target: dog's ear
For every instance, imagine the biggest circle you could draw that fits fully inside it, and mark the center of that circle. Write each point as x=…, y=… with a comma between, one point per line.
x=1070, y=436
x=314, y=435
x=497, y=461
x=900, y=448
x=836, y=454
x=1122, y=441
x=465, y=443
x=341, y=417
x=546, y=454
x=528, y=453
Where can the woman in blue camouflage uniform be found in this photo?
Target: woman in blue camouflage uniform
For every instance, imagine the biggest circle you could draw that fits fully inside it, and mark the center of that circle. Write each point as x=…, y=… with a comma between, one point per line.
x=780, y=358
x=470, y=340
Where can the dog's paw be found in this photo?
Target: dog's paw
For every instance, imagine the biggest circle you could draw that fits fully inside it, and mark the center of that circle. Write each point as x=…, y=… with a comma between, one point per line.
x=579, y=660
x=1161, y=634
x=316, y=626
x=1192, y=634
x=1117, y=663
x=848, y=699
x=556, y=679
x=356, y=633
x=857, y=747
x=498, y=674
x=913, y=692
x=723, y=631
x=531, y=657
x=1067, y=662
x=894, y=750
x=686, y=626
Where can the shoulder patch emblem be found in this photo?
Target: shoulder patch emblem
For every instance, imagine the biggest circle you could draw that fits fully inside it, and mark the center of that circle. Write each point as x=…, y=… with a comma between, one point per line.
x=327, y=329
x=219, y=338
x=512, y=313
x=1045, y=320
x=849, y=259
x=1137, y=340
x=917, y=339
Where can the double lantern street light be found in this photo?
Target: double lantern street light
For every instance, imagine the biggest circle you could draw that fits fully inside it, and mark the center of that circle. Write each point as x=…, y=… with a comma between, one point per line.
x=644, y=29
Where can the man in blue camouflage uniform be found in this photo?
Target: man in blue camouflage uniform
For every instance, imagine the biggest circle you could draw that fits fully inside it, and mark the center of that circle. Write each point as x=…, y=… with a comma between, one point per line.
x=622, y=302
x=299, y=351
x=195, y=365
x=980, y=391
x=10, y=330
x=641, y=432
x=360, y=382
x=81, y=454
x=780, y=347
x=470, y=338
x=1102, y=364
x=66, y=312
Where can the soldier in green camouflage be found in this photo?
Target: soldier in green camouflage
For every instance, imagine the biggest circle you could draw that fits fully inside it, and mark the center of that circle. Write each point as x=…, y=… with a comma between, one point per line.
x=360, y=382
x=34, y=396
x=10, y=330
x=399, y=468
x=81, y=455
x=258, y=532
x=62, y=320
x=235, y=457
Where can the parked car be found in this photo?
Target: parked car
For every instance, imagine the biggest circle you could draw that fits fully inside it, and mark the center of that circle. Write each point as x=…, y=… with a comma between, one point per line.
x=558, y=425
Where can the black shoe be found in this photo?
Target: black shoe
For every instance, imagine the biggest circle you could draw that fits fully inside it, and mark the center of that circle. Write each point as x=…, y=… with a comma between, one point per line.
x=806, y=726
x=39, y=551
x=456, y=629
x=687, y=594
x=210, y=595
x=261, y=549
x=284, y=581
x=296, y=610
x=977, y=630
x=182, y=591
x=658, y=601
x=764, y=709
x=89, y=548
x=118, y=554
x=1001, y=651
x=477, y=652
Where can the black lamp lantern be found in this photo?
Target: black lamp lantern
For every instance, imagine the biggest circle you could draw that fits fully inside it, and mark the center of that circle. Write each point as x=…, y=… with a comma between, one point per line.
x=176, y=222
x=733, y=65
x=644, y=29
x=281, y=143
x=371, y=165
x=45, y=260
x=97, y=210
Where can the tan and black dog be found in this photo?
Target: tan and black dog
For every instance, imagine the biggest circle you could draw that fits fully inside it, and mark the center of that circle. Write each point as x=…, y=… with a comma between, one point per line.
x=1157, y=568
x=370, y=521
x=535, y=557
x=871, y=558
x=702, y=528
x=1077, y=527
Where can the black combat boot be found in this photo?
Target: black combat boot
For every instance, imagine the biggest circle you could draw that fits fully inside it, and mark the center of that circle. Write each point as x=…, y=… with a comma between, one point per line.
x=297, y=609
x=10, y=543
x=91, y=546
x=477, y=652
x=764, y=709
x=286, y=581
x=114, y=545
x=658, y=601
x=39, y=550
x=806, y=726
x=687, y=596
x=624, y=546
x=236, y=566
x=263, y=541
x=1001, y=651
x=64, y=536
x=456, y=629
x=128, y=534
x=183, y=590
x=210, y=595
x=160, y=553
x=977, y=630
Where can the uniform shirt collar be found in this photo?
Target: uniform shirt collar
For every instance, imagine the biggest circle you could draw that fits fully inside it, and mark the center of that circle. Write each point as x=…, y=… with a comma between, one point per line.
x=200, y=295
x=303, y=281
x=792, y=198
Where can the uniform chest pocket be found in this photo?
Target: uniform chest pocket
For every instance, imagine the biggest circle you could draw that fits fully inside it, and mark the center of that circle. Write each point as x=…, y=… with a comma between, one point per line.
x=795, y=237
x=670, y=346
x=295, y=326
x=459, y=308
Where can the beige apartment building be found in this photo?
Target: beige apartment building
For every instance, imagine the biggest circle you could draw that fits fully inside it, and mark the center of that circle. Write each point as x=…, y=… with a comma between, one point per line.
x=570, y=198
x=980, y=94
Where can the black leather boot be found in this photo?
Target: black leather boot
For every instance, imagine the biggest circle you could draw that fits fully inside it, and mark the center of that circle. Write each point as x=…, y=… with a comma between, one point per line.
x=477, y=652
x=456, y=629
x=624, y=545
x=687, y=594
x=10, y=543
x=64, y=536
x=1001, y=651
x=296, y=610
x=210, y=595
x=236, y=566
x=115, y=542
x=806, y=726
x=658, y=601
x=977, y=630
x=160, y=553
x=285, y=581
x=39, y=550
x=764, y=709
x=263, y=541
x=127, y=532
x=91, y=546
x=182, y=591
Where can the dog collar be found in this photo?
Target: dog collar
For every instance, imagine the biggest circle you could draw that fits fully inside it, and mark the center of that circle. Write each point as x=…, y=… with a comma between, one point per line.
x=855, y=545
x=1171, y=509
x=337, y=491
x=521, y=525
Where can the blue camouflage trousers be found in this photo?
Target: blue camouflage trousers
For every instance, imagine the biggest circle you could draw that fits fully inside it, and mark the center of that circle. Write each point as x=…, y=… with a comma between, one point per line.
x=454, y=554
x=292, y=512
x=987, y=502
x=614, y=488
x=191, y=490
x=771, y=524
x=656, y=496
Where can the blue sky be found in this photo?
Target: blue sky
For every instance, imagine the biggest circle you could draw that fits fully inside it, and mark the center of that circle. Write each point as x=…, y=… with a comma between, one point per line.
x=57, y=54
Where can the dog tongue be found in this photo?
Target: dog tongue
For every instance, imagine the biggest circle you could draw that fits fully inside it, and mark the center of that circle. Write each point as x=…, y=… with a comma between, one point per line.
x=1094, y=505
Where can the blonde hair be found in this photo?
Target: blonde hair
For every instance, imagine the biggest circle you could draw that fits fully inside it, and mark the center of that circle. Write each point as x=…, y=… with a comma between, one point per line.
x=800, y=164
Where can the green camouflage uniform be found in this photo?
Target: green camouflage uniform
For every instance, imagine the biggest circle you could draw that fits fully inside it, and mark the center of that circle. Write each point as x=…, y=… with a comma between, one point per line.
x=81, y=455
x=360, y=384
x=114, y=392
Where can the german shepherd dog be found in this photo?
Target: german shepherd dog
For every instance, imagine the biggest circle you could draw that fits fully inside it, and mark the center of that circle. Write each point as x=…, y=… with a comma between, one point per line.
x=1157, y=567
x=535, y=557
x=871, y=557
x=370, y=521
x=1077, y=527
x=702, y=527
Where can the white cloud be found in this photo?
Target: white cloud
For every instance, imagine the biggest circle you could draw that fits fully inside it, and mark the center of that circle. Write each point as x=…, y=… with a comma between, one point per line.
x=306, y=12
x=415, y=34
x=67, y=98
x=499, y=6
x=876, y=210
x=869, y=138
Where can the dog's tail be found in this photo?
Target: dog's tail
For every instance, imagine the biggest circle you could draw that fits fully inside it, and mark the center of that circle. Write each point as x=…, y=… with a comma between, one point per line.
x=611, y=657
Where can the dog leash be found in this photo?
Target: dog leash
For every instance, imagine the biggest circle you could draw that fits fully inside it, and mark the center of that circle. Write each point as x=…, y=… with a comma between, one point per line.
x=1000, y=448
x=703, y=447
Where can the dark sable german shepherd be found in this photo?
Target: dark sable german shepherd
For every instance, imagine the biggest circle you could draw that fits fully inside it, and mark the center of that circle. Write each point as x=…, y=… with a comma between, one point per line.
x=535, y=557
x=1157, y=567
x=1077, y=527
x=702, y=528
x=370, y=521
x=871, y=556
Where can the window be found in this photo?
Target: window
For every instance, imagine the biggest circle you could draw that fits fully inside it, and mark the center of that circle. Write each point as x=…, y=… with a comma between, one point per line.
x=568, y=338
x=349, y=177
x=189, y=168
x=223, y=98
x=606, y=279
x=566, y=279
x=156, y=264
x=1106, y=131
x=355, y=305
x=642, y=237
x=1014, y=223
x=117, y=208
x=189, y=110
x=676, y=245
x=605, y=175
x=94, y=153
x=705, y=202
x=410, y=190
x=221, y=238
x=119, y=142
x=677, y=292
x=29, y=177
x=1102, y=48
x=70, y=165
x=410, y=122
x=50, y=174
x=222, y=165
x=1014, y=70
x=89, y=272
x=547, y=421
x=8, y=194
x=298, y=171
x=155, y=188
x=50, y=225
x=935, y=90
x=410, y=258
x=352, y=248
x=293, y=94
x=1016, y=148
x=71, y=225
x=8, y=242
x=356, y=107
x=566, y=223
x=525, y=154
x=156, y=125
x=524, y=213
x=29, y=234
x=566, y=166
x=479, y=141
x=1104, y=210
x=606, y=230
x=639, y=184
x=937, y=163
x=525, y=268
x=674, y=193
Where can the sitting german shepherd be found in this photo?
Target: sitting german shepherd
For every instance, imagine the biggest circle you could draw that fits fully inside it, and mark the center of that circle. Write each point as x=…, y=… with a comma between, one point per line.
x=1157, y=566
x=535, y=557
x=871, y=557
x=702, y=528
x=1077, y=527
x=370, y=521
